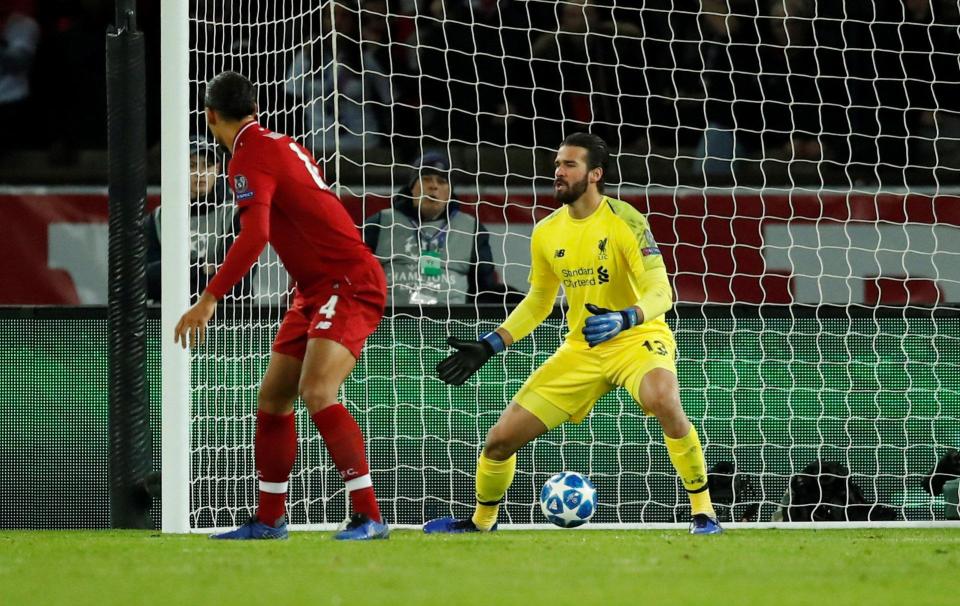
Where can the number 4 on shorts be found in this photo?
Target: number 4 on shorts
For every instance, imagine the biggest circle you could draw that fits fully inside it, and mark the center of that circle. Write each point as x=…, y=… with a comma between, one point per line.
x=328, y=309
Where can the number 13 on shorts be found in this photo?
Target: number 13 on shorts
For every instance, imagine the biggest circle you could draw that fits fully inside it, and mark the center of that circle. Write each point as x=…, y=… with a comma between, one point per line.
x=327, y=310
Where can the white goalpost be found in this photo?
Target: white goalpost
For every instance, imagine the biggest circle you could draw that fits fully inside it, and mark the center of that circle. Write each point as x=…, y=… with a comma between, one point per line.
x=175, y=367
x=812, y=239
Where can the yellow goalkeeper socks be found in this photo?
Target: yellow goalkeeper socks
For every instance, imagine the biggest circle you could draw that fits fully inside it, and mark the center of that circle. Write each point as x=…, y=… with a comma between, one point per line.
x=687, y=458
x=493, y=479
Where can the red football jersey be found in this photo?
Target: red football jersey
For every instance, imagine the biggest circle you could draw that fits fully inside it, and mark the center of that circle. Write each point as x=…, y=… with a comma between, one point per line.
x=284, y=200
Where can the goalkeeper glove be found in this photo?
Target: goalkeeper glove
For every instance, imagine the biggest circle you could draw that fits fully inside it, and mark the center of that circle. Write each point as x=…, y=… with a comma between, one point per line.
x=469, y=357
x=605, y=324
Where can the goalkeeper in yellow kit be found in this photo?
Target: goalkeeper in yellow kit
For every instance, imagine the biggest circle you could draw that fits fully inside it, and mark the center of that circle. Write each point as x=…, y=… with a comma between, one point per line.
x=602, y=252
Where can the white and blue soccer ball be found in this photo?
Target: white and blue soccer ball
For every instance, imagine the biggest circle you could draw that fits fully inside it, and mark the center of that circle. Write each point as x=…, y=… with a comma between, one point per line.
x=568, y=499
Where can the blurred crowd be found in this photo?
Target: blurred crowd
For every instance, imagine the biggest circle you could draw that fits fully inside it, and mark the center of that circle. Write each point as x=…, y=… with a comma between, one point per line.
x=53, y=73
x=845, y=82
x=841, y=81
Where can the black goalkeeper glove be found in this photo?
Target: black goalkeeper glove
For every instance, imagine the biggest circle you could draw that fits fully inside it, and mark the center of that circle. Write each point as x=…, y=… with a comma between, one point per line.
x=456, y=368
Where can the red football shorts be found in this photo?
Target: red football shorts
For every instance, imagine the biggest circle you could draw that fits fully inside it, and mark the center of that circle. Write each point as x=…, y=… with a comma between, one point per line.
x=346, y=311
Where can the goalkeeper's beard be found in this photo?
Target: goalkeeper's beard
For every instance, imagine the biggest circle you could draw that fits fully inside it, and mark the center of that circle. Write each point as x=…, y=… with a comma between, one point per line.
x=572, y=192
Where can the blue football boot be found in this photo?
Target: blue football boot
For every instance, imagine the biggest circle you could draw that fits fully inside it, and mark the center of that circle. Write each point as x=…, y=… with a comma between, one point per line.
x=452, y=526
x=255, y=529
x=704, y=524
x=362, y=528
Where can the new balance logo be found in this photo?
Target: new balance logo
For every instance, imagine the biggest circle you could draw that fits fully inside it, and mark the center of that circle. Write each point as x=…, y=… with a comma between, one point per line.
x=603, y=275
x=323, y=325
x=560, y=252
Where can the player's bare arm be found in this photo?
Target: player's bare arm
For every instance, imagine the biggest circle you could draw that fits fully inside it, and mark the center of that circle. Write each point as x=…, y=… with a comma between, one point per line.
x=192, y=328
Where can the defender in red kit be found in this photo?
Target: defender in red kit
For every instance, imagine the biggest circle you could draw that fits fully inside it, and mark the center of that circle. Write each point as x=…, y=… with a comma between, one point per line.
x=338, y=302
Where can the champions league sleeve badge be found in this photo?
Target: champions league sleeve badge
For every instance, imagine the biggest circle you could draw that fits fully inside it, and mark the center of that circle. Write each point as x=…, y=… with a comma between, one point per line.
x=651, y=248
x=240, y=188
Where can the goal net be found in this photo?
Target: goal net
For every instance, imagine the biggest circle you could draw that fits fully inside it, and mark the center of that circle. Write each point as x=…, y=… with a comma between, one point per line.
x=796, y=162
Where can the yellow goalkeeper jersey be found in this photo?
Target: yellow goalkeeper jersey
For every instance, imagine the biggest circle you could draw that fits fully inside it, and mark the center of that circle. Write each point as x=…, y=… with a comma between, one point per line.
x=609, y=259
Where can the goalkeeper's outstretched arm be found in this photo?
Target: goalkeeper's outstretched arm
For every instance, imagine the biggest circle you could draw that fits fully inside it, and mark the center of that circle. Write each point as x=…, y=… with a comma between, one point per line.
x=529, y=314
x=471, y=355
x=534, y=309
x=537, y=305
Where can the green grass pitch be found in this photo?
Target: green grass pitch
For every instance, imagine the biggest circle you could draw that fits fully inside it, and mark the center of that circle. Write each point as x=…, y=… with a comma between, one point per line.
x=596, y=568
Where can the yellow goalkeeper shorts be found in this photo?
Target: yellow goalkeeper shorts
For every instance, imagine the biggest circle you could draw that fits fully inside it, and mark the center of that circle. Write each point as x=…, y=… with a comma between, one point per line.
x=570, y=382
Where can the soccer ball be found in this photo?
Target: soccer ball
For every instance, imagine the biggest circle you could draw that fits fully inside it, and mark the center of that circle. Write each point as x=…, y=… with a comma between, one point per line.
x=568, y=499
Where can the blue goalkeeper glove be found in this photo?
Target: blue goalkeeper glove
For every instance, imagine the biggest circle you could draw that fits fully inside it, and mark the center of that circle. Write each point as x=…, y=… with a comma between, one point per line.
x=605, y=324
x=470, y=356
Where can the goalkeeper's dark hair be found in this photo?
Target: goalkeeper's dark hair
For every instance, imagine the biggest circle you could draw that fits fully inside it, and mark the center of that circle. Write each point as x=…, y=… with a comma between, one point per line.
x=598, y=156
x=232, y=95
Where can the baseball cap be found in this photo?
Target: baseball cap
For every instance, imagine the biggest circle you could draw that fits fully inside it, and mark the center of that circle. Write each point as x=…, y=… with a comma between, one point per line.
x=431, y=163
x=201, y=146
